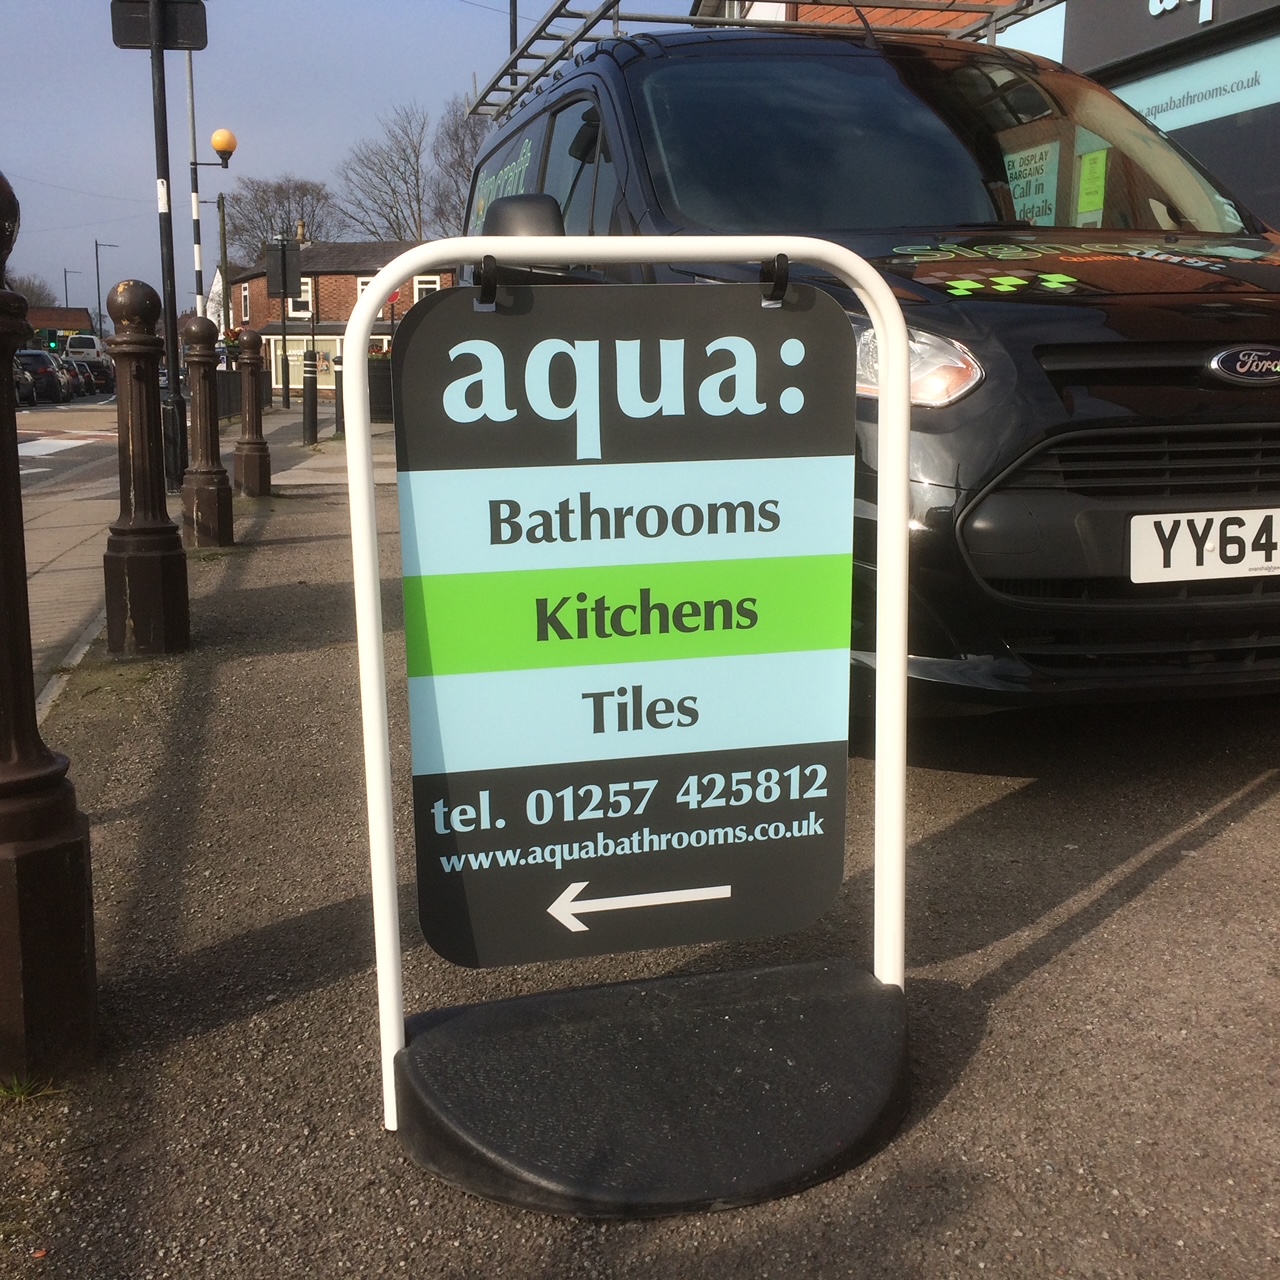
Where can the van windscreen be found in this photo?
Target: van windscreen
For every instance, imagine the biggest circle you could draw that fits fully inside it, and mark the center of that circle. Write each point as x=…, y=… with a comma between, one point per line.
x=828, y=144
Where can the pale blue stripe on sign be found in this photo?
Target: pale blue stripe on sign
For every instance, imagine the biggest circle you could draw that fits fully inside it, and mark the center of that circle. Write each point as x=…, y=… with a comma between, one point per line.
x=1223, y=84
x=509, y=719
x=447, y=523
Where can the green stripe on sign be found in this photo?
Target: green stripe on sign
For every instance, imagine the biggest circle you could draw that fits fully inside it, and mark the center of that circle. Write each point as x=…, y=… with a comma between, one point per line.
x=456, y=624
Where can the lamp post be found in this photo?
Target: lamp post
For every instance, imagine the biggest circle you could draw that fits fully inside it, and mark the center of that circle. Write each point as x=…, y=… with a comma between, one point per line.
x=66, y=297
x=97, y=278
x=221, y=202
x=224, y=143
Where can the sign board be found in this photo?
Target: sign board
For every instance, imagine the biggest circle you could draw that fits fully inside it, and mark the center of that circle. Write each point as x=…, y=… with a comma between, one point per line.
x=626, y=522
x=284, y=272
x=184, y=25
x=1033, y=183
x=1099, y=33
x=1223, y=84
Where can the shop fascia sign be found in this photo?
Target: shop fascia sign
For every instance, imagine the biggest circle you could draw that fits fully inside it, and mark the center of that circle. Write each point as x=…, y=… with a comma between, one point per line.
x=1106, y=33
x=1159, y=8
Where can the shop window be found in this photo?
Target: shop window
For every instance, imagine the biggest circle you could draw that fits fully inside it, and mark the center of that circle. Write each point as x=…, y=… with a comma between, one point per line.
x=362, y=283
x=300, y=307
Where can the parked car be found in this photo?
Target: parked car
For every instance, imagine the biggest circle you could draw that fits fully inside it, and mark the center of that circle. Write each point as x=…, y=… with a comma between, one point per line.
x=24, y=385
x=78, y=387
x=51, y=381
x=86, y=376
x=1094, y=323
x=91, y=349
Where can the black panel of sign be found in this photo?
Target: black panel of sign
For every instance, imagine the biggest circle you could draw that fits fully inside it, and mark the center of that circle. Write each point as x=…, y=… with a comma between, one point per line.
x=626, y=519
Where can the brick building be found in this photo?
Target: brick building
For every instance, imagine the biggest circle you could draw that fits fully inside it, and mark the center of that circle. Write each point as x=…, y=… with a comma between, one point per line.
x=59, y=323
x=334, y=274
x=915, y=16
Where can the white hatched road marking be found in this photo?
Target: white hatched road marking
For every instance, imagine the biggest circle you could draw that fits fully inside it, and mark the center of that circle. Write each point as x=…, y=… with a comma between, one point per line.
x=47, y=445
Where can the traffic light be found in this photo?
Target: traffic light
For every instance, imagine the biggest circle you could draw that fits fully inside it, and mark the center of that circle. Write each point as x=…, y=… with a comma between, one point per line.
x=52, y=338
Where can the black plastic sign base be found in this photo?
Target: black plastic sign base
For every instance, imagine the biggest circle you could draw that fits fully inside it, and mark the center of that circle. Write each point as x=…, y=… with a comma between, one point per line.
x=672, y=1095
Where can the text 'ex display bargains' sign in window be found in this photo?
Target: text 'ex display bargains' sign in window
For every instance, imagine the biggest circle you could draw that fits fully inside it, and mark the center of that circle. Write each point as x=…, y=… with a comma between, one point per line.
x=626, y=520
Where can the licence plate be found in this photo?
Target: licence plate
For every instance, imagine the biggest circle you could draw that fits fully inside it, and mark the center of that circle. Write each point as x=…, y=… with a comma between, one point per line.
x=1180, y=547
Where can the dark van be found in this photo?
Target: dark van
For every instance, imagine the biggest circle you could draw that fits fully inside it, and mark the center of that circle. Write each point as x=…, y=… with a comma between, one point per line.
x=1095, y=328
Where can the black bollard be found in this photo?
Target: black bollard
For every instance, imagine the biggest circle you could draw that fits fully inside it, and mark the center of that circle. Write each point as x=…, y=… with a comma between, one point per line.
x=252, y=461
x=144, y=566
x=48, y=978
x=310, y=408
x=206, y=491
x=339, y=412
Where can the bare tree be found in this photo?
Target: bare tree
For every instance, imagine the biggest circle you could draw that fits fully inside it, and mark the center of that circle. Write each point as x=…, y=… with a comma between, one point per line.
x=259, y=209
x=36, y=289
x=454, y=147
x=384, y=182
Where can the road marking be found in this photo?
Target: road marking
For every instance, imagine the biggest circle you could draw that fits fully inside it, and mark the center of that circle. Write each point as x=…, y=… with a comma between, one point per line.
x=49, y=444
x=566, y=908
x=42, y=448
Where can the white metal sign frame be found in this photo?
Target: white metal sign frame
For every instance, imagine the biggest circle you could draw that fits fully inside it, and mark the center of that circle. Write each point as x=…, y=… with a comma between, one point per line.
x=893, y=456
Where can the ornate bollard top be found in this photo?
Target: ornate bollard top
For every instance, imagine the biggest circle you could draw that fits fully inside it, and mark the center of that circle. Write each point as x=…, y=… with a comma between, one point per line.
x=200, y=331
x=9, y=219
x=250, y=342
x=135, y=307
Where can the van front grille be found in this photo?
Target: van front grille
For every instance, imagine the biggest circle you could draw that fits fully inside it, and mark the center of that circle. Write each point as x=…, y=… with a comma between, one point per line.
x=1163, y=462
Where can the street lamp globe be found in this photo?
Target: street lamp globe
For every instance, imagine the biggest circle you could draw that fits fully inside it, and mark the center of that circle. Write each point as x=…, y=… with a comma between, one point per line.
x=224, y=143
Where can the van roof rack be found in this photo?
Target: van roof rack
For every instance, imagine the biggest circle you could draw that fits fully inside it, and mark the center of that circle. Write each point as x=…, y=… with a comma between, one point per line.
x=570, y=26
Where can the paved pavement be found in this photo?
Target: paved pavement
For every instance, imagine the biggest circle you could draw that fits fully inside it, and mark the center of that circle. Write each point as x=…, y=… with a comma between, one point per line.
x=1094, y=920
x=65, y=518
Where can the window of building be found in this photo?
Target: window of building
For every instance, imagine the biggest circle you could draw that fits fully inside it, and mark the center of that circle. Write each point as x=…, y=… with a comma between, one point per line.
x=423, y=285
x=244, y=304
x=300, y=307
x=362, y=283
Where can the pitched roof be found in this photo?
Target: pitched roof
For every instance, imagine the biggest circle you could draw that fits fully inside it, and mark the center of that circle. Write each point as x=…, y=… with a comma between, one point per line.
x=339, y=258
x=904, y=16
x=60, y=318
x=901, y=17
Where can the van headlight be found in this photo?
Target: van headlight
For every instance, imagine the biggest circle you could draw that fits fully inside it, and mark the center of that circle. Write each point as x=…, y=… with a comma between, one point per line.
x=942, y=371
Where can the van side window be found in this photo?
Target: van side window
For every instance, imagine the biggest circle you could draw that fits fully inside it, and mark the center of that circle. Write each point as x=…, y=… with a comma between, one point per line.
x=571, y=164
x=510, y=171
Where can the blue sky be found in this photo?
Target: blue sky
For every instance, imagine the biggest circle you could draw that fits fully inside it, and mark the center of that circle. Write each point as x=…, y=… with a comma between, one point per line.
x=298, y=81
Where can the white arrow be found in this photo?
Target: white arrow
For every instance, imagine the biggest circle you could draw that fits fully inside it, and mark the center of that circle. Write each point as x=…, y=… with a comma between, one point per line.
x=567, y=909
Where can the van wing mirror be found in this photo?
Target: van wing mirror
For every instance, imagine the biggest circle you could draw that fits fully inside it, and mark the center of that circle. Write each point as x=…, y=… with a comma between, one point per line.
x=528, y=215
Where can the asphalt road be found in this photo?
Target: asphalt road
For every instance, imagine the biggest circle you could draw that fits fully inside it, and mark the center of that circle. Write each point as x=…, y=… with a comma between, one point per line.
x=74, y=447
x=65, y=443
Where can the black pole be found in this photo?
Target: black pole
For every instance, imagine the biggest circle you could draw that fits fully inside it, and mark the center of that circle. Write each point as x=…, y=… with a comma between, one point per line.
x=174, y=408
x=310, y=419
x=284, y=342
x=515, y=38
x=339, y=412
